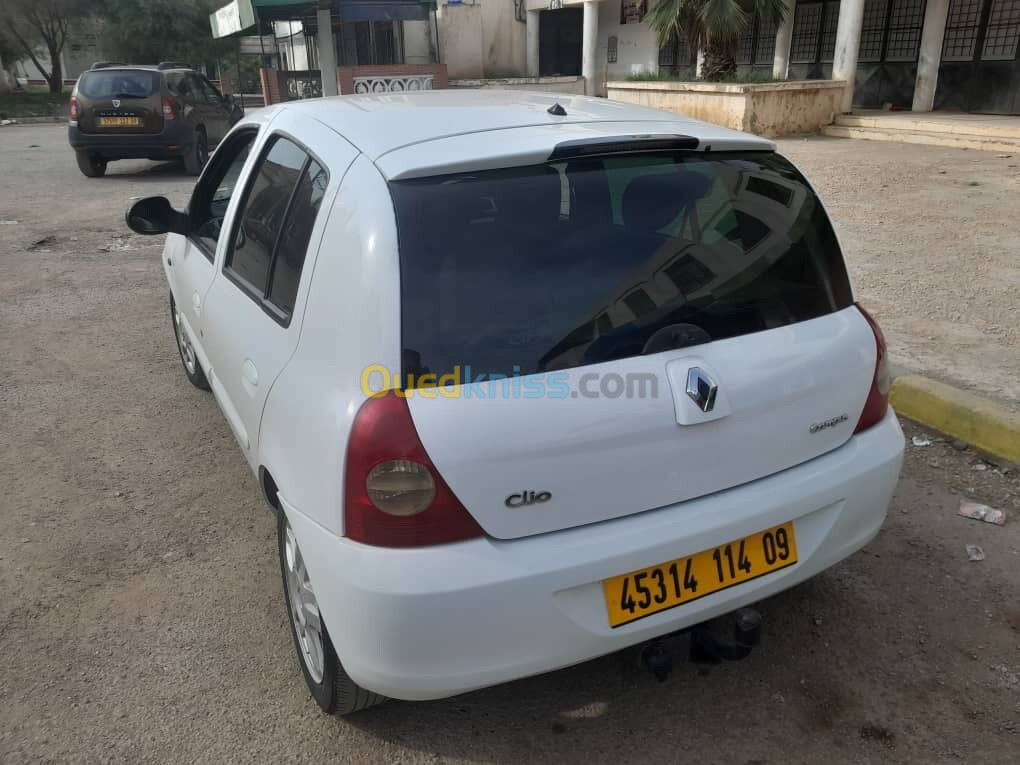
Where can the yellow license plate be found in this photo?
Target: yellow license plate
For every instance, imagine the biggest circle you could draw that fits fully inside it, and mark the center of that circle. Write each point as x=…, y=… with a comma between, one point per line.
x=674, y=583
x=119, y=121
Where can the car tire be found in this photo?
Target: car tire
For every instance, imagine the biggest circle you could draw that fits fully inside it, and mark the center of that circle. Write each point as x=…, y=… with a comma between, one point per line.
x=91, y=165
x=198, y=154
x=330, y=685
x=189, y=360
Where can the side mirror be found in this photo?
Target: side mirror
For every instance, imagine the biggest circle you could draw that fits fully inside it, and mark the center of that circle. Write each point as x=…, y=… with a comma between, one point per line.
x=155, y=215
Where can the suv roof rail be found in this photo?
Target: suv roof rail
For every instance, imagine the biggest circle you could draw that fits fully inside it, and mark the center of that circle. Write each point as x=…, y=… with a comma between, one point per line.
x=106, y=64
x=172, y=65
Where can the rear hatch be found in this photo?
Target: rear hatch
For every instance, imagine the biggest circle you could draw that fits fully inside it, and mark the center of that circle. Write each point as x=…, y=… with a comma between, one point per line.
x=120, y=101
x=568, y=307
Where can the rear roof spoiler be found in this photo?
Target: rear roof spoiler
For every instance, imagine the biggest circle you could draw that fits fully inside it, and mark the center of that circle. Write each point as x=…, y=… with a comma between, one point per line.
x=623, y=144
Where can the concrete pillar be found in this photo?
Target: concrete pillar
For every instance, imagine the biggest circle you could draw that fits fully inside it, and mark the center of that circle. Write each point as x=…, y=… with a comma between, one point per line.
x=848, y=40
x=327, y=52
x=589, y=47
x=784, y=36
x=930, y=55
x=531, y=32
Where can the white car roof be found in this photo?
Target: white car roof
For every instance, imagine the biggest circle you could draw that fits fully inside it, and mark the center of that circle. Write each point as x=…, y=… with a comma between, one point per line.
x=478, y=128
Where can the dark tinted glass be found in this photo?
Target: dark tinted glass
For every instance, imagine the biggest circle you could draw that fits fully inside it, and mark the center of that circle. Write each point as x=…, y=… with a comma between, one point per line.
x=262, y=214
x=569, y=263
x=290, y=255
x=116, y=83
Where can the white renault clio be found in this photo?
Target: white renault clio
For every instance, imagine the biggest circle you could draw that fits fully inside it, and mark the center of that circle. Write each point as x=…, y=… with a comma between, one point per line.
x=527, y=378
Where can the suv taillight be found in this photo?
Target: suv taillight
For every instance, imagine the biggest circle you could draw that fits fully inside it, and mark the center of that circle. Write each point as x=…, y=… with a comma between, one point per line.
x=169, y=109
x=393, y=494
x=73, y=111
x=878, y=397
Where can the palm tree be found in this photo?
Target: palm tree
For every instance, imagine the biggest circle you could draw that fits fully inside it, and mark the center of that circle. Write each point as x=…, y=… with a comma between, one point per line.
x=712, y=26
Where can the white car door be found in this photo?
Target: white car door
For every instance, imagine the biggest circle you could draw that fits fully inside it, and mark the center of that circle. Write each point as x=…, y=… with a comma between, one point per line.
x=191, y=261
x=252, y=312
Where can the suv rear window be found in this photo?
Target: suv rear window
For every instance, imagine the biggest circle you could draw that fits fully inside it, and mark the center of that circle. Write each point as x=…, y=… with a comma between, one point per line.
x=119, y=83
x=576, y=262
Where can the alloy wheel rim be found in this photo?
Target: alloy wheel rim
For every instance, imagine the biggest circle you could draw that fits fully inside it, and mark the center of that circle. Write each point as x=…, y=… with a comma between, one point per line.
x=304, y=608
x=187, y=352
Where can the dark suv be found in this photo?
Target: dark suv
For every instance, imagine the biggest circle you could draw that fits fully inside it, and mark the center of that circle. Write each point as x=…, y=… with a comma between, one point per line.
x=163, y=112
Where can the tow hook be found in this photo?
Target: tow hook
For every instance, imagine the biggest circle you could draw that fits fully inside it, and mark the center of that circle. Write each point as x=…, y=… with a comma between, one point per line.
x=707, y=649
x=655, y=657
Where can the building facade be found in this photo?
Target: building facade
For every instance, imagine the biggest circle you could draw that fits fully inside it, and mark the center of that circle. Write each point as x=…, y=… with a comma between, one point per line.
x=920, y=54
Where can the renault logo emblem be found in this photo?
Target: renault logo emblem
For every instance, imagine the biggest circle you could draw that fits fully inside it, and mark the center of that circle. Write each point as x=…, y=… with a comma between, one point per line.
x=701, y=388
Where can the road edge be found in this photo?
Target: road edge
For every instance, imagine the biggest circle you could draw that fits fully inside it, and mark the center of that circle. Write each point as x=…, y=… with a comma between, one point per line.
x=958, y=413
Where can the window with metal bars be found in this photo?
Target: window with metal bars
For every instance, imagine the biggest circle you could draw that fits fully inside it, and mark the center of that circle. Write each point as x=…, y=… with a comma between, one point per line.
x=675, y=53
x=961, y=30
x=904, y=35
x=807, y=22
x=1002, y=32
x=831, y=19
x=745, y=48
x=757, y=44
x=872, y=30
x=765, y=50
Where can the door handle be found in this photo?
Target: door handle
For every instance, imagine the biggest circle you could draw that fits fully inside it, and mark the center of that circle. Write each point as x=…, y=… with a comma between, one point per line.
x=249, y=376
x=197, y=302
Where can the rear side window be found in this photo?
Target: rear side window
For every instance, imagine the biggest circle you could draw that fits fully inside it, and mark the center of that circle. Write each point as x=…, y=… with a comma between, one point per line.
x=577, y=262
x=116, y=83
x=290, y=254
x=275, y=222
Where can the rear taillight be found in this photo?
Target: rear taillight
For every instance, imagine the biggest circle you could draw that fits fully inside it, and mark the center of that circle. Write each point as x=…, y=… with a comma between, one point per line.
x=878, y=397
x=169, y=109
x=394, y=496
x=73, y=111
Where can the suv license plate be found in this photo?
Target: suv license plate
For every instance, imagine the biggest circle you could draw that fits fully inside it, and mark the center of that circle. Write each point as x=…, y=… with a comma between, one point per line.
x=119, y=121
x=676, y=582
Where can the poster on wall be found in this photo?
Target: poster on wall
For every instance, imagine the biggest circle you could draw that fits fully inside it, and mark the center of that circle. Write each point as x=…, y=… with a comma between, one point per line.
x=633, y=11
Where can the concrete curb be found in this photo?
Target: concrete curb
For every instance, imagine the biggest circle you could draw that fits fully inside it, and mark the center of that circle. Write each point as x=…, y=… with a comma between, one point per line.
x=958, y=413
x=15, y=121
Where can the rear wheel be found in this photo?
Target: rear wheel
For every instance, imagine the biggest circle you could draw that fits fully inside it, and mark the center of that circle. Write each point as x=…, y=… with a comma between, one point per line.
x=91, y=165
x=194, y=371
x=198, y=155
x=330, y=686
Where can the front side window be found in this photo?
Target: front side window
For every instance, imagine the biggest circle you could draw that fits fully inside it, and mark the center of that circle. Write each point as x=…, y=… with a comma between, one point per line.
x=213, y=193
x=568, y=263
x=274, y=226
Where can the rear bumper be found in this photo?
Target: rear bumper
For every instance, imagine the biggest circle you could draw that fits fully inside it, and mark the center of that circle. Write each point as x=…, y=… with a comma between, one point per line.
x=169, y=143
x=432, y=622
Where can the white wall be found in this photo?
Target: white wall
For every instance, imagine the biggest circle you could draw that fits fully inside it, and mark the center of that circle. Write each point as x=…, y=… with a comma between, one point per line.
x=637, y=49
x=417, y=42
x=481, y=38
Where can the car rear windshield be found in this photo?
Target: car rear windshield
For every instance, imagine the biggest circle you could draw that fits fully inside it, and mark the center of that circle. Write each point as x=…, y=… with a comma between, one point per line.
x=533, y=269
x=119, y=83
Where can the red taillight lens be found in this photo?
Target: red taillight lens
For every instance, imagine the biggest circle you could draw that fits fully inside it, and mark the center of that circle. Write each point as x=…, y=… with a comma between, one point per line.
x=73, y=111
x=416, y=507
x=169, y=109
x=878, y=397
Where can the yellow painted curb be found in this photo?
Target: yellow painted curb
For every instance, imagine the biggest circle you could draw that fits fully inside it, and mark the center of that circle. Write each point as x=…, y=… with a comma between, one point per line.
x=964, y=415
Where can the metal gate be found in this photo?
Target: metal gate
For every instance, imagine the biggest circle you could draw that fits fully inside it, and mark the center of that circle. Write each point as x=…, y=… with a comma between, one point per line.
x=980, y=71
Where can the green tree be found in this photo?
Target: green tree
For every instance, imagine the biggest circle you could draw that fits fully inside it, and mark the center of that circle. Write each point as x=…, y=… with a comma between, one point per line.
x=32, y=24
x=712, y=26
x=150, y=31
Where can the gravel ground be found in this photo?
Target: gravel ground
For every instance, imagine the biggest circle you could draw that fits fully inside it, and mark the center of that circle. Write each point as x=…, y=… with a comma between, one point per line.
x=933, y=240
x=141, y=612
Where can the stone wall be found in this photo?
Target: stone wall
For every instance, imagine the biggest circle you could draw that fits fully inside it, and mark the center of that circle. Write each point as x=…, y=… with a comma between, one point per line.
x=771, y=109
